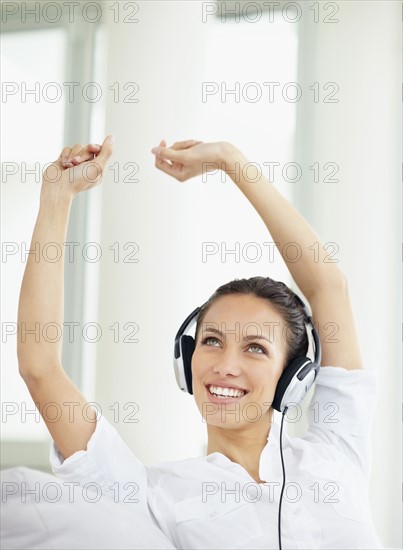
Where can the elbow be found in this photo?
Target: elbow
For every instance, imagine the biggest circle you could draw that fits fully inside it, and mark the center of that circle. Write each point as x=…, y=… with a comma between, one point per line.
x=25, y=364
x=339, y=282
x=33, y=370
x=27, y=375
x=26, y=371
x=22, y=364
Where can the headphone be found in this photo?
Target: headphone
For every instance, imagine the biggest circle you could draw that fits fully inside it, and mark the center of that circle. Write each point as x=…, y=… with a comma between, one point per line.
x=294, y=383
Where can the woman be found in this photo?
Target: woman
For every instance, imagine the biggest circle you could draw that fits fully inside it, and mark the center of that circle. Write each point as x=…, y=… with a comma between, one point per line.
x=229, y=498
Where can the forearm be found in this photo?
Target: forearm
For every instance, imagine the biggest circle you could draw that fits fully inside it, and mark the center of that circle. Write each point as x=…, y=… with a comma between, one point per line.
x=42, y=290
x=305, y=261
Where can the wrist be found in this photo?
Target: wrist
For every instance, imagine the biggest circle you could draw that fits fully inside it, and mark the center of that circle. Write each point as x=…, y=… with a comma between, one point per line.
x=53, y=197
x=232, y=162
x=228, y=153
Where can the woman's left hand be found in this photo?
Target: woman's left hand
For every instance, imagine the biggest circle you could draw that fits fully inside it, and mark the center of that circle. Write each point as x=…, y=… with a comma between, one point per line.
x=187, y=159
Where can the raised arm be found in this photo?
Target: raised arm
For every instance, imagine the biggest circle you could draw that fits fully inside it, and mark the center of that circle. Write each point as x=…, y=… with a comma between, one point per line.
x=322, y=283
x=42, y=300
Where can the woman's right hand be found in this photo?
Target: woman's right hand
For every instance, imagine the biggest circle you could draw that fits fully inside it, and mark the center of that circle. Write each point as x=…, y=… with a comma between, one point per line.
x=77, y=169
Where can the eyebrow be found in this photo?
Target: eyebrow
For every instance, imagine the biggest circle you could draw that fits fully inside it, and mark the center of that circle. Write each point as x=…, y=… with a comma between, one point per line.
x=247, y=338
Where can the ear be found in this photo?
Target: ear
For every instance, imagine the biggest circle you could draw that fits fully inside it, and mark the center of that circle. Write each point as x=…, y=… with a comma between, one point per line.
x=294, y=383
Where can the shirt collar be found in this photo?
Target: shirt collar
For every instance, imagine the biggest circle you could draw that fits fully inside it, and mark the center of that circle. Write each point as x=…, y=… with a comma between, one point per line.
x=270, y=461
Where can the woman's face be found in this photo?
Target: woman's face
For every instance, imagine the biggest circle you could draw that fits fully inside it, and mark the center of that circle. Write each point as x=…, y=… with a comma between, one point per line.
x=238, y=359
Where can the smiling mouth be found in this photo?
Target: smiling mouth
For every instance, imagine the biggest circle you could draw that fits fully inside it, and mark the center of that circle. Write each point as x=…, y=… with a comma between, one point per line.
x=223, y=393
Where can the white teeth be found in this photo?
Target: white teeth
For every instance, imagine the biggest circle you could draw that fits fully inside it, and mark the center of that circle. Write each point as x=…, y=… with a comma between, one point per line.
x=226, y=392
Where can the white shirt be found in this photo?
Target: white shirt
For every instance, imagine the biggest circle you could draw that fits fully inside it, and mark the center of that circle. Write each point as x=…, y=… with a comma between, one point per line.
x=40, y=512
x=325, y=504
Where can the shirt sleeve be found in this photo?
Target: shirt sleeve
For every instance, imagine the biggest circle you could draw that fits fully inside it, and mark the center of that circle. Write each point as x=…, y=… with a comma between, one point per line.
x=342, y=410
x=108, y=466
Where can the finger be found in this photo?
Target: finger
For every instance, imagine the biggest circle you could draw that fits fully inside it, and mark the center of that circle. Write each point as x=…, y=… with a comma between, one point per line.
x=73, y=152
x=180, y=144
x=76, y=149
x=93, y=148
x=185, y=144
x=106, y=151
x=64, y=154
x=162, y=143
x=67, y=152
x=169, y=169
x=87, y=153
x=160, y=162
x=167, y=153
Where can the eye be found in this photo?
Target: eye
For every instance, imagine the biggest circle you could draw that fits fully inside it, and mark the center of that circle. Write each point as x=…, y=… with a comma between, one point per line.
x=259, y=347
x=209, y=338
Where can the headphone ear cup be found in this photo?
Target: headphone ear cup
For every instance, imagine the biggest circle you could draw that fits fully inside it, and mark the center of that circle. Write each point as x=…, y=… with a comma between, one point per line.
x=285, y=381
x=188, y=347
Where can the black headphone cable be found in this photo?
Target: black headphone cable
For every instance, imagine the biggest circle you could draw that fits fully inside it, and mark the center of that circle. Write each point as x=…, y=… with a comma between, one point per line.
x=282, y=488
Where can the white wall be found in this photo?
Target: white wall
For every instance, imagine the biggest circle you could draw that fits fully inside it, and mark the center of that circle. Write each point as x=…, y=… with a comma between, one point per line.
x=158, y=291
x=169, y=221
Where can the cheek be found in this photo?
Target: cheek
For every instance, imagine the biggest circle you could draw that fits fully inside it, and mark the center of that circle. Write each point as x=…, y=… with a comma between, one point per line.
x=198, y=369
x=265, y=380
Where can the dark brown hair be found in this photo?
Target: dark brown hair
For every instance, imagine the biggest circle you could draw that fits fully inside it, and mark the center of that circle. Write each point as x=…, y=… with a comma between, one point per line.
x=280, y=297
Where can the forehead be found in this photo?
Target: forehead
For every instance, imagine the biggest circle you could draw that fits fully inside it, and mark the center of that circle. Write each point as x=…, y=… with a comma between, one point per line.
x=249, y=311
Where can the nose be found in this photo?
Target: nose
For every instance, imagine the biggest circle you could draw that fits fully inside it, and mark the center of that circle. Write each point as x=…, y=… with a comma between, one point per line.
x=227, y=364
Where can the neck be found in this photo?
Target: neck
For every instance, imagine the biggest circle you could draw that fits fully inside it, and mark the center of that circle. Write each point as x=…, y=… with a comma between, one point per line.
x=242, y=445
